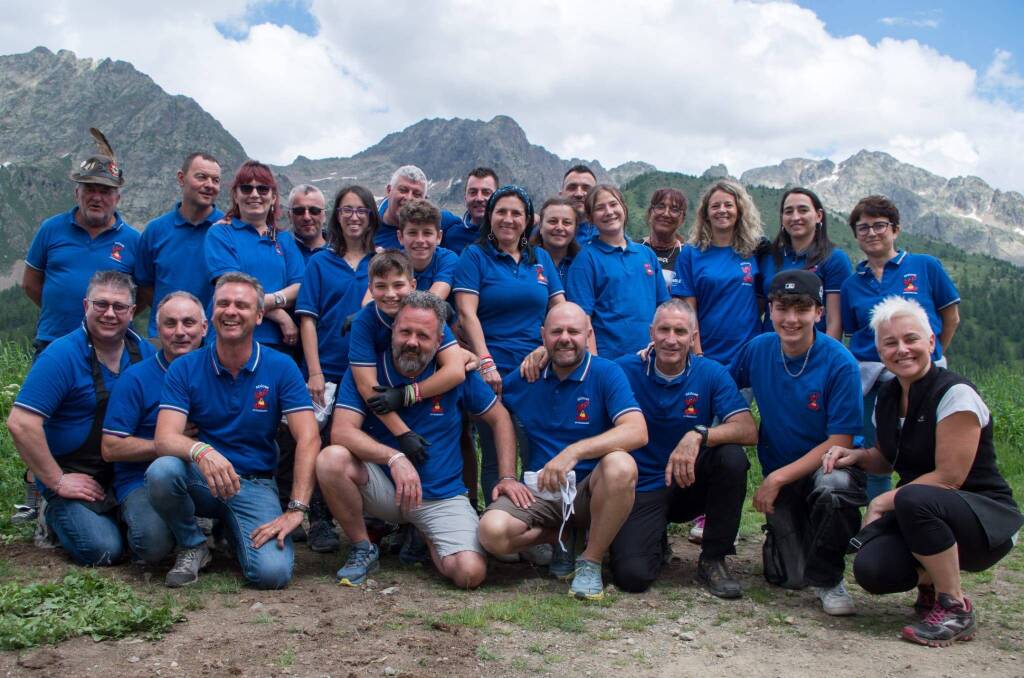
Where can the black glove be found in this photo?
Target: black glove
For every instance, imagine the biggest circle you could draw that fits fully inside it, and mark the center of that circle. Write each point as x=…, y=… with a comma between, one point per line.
x=347, y=325
x=414, y=446
x=389, y=400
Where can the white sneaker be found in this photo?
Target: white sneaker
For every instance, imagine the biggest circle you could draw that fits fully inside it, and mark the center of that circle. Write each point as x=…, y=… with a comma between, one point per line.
x=538, y=554
x=836, y=600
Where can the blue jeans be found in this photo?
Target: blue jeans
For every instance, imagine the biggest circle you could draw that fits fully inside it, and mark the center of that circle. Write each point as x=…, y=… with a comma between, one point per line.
x=148, y=536
x=89, y=538
x=878, y=483
x=178, y=493
x=489, y=455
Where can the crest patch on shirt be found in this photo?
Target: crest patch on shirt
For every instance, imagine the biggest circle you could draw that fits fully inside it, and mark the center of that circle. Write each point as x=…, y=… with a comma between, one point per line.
x=259, y=398
x=541, y=278
x=910, y=283
x=115, y=251
x=812, y=401
x=436, y=409
x=277, y=248
x=647, y=267
x=582, y=416
x=691, y=405
x=748, y=272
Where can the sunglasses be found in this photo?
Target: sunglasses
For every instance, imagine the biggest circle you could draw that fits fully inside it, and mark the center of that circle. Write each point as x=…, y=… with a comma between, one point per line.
x=313, y=211
x=247, y=189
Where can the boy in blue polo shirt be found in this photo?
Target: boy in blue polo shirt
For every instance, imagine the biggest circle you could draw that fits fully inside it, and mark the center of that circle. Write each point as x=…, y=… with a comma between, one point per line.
x=366, y=471
x=579, y=416
x=130, y=423
x=234, y=391
x=807, y=389
x=689, y=466
x=419, y=232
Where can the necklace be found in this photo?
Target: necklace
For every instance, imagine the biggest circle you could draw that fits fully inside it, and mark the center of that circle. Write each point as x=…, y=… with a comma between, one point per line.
x=807, y=357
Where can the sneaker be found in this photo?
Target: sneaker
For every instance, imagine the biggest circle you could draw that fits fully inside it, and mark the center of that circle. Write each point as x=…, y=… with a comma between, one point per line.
x=538, y=554
x=187, y=565
x=29, y=511
x=925, y=600
x=414, y=549
x=666, y=549
x=299, y=534
x=563, y=565
x=697, y=530
x=949, y=621
x=377, y=529
x=587, y=584
x=363, y=560
x=835, y=600
x=713, y=574
x=43, y=537
x=323, y=538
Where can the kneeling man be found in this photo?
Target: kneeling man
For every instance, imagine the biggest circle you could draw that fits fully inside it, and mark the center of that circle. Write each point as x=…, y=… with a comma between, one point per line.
x=694, y=463
x=424, y=488
x=580, y=416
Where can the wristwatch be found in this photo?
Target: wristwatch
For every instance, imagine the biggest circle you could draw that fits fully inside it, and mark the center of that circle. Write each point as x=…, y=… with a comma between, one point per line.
x=278, y=300
x=296, y=505
x=703, y=431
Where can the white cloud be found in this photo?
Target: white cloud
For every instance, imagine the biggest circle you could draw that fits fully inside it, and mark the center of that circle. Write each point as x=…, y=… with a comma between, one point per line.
x=913, y=22
x=681, y=85
x=1000, y=74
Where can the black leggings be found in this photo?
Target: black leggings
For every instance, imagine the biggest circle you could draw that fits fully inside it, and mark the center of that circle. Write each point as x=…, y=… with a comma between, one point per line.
x=929, y=520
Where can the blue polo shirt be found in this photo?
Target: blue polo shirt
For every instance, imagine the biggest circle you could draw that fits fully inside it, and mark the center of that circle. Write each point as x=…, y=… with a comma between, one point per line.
x=59, y=388
x=458, y=237
x=166, y=259
x=920, y=277
x=131, y=412
x=387, y=234
x=440, y=269
x=273, y=259
x=703, y=392
x=556, y=413
x=68, y=257
x=306, y=252
x=833, y=272
x=619, y=288
x=513, y=298
x=726, y=287
x=370, y=335
x=799, y=413
x=237, y=415
x=586, y=232
x=331, y=291
x=438, y=419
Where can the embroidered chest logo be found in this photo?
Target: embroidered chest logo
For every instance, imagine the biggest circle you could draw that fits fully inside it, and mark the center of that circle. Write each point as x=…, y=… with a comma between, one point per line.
x=582, y=416
x=541, y=278
x=436, y=409
x=691, y=405
x=115, y=251
x=650, y=271
x=813, y=401
x=277, y=248
x=259, y=398
x=748, y=272
x=910, y=283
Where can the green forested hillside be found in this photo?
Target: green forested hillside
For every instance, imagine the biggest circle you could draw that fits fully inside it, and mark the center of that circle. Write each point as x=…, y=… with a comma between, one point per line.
x=992, y=290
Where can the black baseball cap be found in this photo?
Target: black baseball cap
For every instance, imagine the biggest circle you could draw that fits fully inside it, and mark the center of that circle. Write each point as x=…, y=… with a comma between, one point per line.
x=797, y=282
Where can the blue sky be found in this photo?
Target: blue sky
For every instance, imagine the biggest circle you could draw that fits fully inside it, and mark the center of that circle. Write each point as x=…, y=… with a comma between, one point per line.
x=293, y=13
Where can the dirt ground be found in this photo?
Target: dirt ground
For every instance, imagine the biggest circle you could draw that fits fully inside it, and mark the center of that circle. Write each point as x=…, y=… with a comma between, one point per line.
x=408, y=623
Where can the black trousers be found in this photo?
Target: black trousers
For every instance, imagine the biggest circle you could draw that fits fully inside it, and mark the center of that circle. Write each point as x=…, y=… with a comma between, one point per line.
x=928, y=521
x=719, y=491
x=284, y=475
x=821, y=513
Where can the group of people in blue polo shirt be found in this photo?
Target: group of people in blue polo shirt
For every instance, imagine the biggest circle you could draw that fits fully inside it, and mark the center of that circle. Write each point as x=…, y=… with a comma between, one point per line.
x=344, y=371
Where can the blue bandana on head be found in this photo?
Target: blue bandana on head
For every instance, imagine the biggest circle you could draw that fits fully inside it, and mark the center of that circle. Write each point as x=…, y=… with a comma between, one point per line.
x=504, y=192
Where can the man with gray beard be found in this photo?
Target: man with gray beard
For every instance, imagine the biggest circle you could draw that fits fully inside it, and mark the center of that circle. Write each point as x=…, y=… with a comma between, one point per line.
x=366, y=471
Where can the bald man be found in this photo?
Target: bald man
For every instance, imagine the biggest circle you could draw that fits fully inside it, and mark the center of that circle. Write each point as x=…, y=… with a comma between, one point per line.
x=580, y=416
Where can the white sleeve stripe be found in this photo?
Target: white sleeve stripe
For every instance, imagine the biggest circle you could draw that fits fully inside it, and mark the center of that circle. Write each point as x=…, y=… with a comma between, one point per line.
x=955, y=301
x=297, y=409
x=373, y=364
x=451, y=343
x=554, y=293
x=30, y=265
x=726, y=417
x=302, y=311
x=165, y=406
x=485, y=410
x=628, y=409
x=466, y=289
x=350, y=408
x=32, y=409
x=119, y=434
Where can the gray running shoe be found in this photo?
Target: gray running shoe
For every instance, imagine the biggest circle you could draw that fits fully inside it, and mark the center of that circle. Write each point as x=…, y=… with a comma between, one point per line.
x=587, y=584
x=187, y=565
x=363, y=560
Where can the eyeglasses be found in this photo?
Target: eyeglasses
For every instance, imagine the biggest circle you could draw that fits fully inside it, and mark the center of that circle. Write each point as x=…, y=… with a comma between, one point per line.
x=246, y=189
x=661, y=207
x=876, y=227
x=313, y=211
x=354, y=211
x=102, y=305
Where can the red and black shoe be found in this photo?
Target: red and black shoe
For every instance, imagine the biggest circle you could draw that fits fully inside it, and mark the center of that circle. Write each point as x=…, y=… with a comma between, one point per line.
x=925, y=600
x=949, y=621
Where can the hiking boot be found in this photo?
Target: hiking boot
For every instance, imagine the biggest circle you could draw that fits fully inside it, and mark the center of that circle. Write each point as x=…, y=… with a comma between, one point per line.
x=187, y=564
x=713, y=574
x=949, y=621
x=925, y=600
x=27, y=512
x=323, y=538
x=835, y=600
x=563, y=563
x=538, y=554
x=587, y=584
x=363, y=560
x=414, y=548
x=697, y=530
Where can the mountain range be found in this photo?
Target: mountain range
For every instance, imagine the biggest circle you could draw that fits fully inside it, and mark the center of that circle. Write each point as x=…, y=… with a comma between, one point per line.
x=48, y=101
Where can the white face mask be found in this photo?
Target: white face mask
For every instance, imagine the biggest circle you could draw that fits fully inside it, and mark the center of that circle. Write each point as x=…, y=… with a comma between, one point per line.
x=566, y=493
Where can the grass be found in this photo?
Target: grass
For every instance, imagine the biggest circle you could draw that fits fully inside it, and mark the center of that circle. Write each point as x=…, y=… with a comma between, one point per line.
x=533, y=612
x=82, y=603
